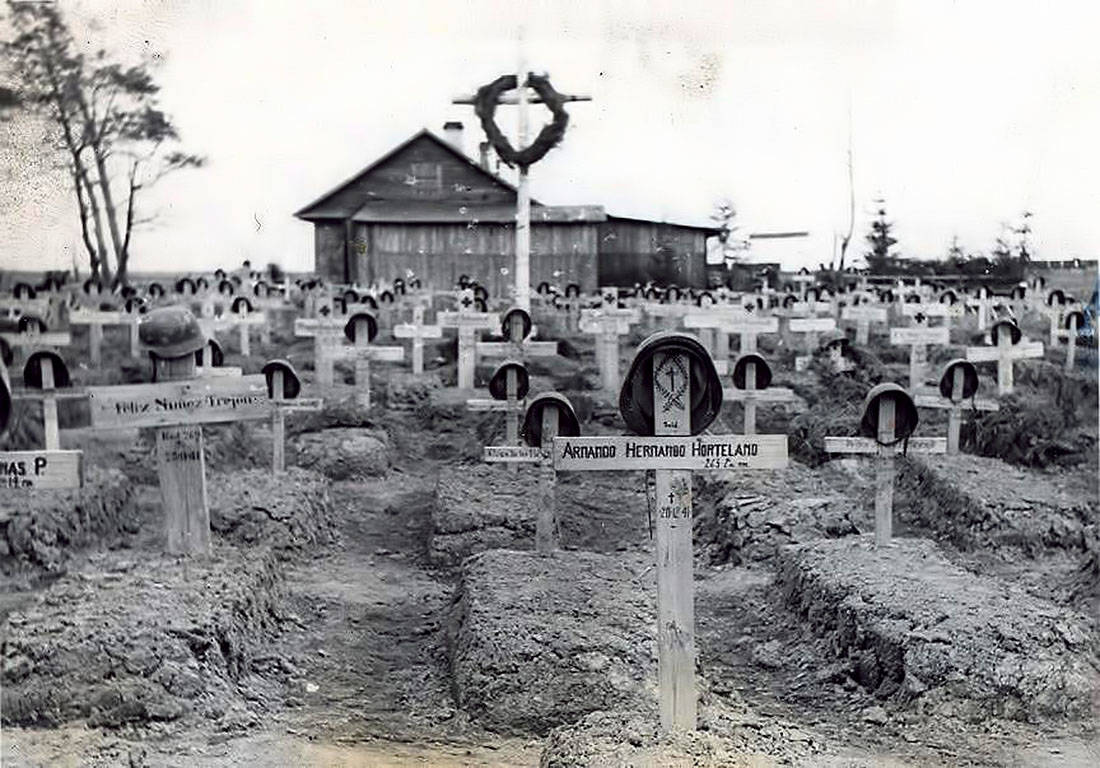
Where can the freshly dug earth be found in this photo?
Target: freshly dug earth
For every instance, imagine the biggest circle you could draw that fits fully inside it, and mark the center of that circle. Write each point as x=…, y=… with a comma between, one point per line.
x=746, y=516
x=481, y=507
x=537, y=642
x=346, y=453
x=919, y=627
x=38, y=530
x=288, y=511
x=725, y=740
x=134, y=641
x=977, y=502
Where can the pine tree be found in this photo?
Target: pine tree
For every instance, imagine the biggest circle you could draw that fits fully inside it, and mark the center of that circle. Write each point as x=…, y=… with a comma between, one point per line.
x=880, y=259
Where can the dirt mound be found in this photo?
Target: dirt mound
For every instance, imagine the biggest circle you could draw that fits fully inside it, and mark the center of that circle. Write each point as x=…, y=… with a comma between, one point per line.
x=633, y=740
x=287, y=512
x=541, y=641
x=916, y=626
x=974, y=501
x=38, y=529
x=345, y=453
x=481, y=507
x=747, y=516
x=134, y=641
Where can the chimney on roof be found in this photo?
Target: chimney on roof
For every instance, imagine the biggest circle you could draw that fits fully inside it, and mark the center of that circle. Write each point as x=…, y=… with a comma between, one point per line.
x=452, y=133
x=485, y=150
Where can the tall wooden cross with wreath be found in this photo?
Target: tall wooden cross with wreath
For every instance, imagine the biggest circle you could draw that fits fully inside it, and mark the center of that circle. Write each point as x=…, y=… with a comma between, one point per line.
x=485, y=102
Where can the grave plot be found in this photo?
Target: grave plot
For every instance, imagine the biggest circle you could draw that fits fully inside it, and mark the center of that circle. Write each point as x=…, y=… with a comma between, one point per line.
x=540, y=641
x=343, y=453
x=40, y=530
x=290, y=511
x=136, y=641
x=921, y=630
x=483, y=507
x=1023, y=510
x=730, y=740
x=748, y=518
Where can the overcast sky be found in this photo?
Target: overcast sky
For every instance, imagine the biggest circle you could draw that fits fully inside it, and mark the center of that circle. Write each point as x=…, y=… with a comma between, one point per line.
x=962, y=115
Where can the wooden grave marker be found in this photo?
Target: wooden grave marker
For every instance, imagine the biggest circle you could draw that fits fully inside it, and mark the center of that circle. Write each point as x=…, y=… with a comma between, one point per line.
x=885, y=446
x=1005, y=351
x=810, y=327
x=283, y=388
x=749, y=371
x=673, y=452
x=518, y=341
x=51, y=468
x=95, y=320
x=917, y=339
x=326, y=333
x=468, y=323
x=607, y=324
x=933, y=310
x=956, y=402
x=418, y=332
x=863, y=315
x=983, y=303
x=361, y=330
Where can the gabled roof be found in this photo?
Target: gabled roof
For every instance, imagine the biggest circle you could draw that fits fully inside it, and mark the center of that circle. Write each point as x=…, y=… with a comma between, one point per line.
x=318, y=210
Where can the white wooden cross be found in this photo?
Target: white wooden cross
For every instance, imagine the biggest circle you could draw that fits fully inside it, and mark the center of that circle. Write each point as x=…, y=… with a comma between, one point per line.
x=885, y=447
x=1070, y=333
x=674, y=454
x=750, y=397
x=281, y=406
x=362, y=353
x=95, y=320
x=178, y=404
x=1054, y=314
x=33, y=338
x=732, y=321
x=933, y=309
x=955, y=406
x=984, y=302
x=468, y=323
x=917, y=339
x=863, y=315
x=417, y=331
x=326, y=333
x=516, y=346
x=244, y=319
x=1005, y=353
x=48, y=394
x=607, y=324
x=811, y=326
x=511, y=405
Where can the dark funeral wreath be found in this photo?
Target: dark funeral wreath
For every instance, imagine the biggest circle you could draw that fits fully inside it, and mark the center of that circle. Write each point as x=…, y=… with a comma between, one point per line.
x=485, y=107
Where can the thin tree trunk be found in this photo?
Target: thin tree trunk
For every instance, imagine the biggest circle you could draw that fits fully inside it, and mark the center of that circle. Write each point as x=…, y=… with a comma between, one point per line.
x=93, y=256
x=122, y=275
x=97, y=220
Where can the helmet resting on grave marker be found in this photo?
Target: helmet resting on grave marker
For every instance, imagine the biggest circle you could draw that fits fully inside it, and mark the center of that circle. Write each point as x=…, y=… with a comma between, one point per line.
x=506, y=323
x=763, y=377
x=905, y=411
x=1005, y=326
x=217, y=356
x=568, y=424
x=292, y=385
x=498, y=384
x=32, y=369
x=239, y=303
x=1072, y=315
x=835, y=337
x=636, y=396
x=171, y=332
x=970, y=378
x=353, y=321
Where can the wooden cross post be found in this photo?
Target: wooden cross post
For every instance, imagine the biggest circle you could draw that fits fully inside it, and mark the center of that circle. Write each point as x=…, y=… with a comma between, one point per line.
x=49, y=394
x=884, y=448
x=521, y=98
x=244, y=320
x=95, y=320
x=178, y=405
x=282, y=406
x=984, y=302
x=468, y=324
x=750, y=397
x=1070, y=335
x=417, y=331
x=863, y=315
x=363, y=353
x=325, y=333
x=515, y=346
x=607, y=325
x=33, y=339
x=955, y=406
x=674, y=454
x=934, y=309
x=1054, y=313
x=917, y=339
x=811, y=327
x=1005, y=353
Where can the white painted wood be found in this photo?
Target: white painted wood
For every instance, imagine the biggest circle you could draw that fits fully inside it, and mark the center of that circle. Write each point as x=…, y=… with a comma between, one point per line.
x=40, y=470
x=191, y=401
x=699, y=452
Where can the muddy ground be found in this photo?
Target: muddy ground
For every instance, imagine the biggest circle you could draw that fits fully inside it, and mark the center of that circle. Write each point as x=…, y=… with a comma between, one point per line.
x=352, y=662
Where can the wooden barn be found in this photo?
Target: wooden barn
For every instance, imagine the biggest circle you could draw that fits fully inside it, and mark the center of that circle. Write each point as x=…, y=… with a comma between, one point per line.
x=427, y=209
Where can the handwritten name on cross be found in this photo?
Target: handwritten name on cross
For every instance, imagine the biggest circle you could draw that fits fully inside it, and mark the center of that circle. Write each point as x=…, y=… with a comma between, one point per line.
x=51, y=468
